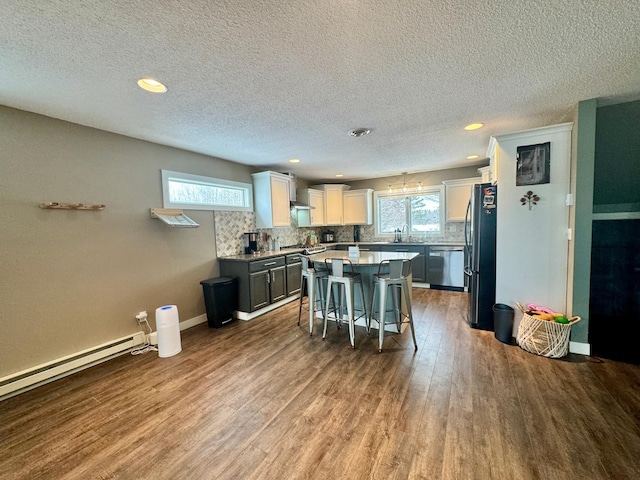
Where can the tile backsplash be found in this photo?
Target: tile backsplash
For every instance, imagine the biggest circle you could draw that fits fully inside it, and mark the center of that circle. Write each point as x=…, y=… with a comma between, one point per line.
x=229, y=227
x=454, y=232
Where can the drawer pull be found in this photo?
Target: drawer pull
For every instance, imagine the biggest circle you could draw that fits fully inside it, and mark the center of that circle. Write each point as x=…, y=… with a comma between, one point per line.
x=268, y=264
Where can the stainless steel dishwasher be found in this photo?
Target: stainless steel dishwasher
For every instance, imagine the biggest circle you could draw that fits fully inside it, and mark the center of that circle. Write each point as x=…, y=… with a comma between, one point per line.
x=446, y=267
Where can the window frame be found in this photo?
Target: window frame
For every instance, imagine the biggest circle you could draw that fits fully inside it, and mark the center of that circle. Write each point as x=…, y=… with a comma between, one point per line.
x=428, y=190
x=168, y=175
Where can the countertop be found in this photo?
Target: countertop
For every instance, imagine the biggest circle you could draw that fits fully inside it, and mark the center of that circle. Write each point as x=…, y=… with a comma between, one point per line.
x=249, y=257
x=363, y=258
x=258, y=256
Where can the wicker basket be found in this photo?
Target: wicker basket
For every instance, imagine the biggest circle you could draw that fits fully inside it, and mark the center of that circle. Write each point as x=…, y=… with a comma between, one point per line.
x=544, y=337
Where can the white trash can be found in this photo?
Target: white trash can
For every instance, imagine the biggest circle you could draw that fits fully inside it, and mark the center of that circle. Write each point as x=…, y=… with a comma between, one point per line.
x=168, y=327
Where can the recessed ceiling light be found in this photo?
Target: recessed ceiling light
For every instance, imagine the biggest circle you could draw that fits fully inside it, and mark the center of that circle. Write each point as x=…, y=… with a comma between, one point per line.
x=294, y=160
x=151, y=85
x=359, y=132
x=474, y=126
x=472, y=157
x=339, y=175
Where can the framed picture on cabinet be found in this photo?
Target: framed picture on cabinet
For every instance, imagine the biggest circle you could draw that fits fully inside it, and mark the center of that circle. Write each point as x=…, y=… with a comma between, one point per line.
x=533, y=164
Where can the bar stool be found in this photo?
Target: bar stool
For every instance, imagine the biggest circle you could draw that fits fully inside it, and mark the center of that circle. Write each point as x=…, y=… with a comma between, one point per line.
x=312, y=279
x=346, y=282
x=399, y=283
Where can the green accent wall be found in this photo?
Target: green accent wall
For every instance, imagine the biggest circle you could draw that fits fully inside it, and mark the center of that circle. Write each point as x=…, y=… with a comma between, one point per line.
x=617, y=154
x=584, y=158
x=607, y=159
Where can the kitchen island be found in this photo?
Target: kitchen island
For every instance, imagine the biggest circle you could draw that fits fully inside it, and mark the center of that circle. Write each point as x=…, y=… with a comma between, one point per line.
x=366, y=263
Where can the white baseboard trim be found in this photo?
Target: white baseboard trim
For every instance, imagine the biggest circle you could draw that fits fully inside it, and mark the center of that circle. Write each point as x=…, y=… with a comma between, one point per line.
x=251, y=315
x=580, y=348
x=31, y=378
x=192, y=322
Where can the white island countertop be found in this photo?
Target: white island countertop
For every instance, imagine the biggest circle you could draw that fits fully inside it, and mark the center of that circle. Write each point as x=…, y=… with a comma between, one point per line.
x=365, y=257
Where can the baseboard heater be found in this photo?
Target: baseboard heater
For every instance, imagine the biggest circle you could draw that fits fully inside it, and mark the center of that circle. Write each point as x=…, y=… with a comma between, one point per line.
x=47, y=372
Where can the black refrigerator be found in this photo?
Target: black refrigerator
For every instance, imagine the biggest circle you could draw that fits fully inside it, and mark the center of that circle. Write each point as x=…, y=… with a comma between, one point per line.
x=480, y=249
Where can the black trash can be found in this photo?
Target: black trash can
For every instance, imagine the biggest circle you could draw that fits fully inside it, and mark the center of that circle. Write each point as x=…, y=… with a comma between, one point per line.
x=220, y=299
x=503, y=323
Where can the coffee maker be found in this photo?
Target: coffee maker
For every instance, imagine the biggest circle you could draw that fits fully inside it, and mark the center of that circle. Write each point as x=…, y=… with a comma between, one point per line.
x=250, y=242
x=328, y=237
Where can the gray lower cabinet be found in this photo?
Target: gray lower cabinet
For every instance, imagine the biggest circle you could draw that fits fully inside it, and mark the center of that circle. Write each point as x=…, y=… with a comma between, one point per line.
x=294, y=272
x=259, y=291
x=260, y=282
x=418, y=264
x=363, y=247
x=369, y=248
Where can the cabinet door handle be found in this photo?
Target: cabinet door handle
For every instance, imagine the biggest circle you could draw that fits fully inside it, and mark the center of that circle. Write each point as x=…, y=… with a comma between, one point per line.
x=269, y=277
x=402, y=249
x=268, y=264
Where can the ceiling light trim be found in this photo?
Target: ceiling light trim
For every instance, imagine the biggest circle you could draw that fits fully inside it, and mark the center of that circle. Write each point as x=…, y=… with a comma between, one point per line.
x=152, y=85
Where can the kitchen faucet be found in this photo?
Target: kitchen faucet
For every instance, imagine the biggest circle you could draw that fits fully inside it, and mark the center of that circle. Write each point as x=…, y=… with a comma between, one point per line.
x=398, y=233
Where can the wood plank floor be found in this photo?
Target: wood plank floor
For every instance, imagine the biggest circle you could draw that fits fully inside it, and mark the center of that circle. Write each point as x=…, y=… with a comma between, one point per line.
x=264, y=400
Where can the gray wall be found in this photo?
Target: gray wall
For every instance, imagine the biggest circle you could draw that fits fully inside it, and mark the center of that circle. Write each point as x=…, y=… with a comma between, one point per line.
x=427, y=178
x=75, y=279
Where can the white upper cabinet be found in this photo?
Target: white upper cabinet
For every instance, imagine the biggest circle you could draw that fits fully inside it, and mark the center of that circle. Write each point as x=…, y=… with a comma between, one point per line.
x=457, y=195
x=493, y=152
x=486, y=174
x=333, y=204
x=271, y=199
x=358, y=207
x=315, y=199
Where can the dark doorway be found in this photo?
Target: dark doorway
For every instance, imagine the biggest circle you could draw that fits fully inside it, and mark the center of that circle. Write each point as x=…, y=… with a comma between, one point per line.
x=614, y=310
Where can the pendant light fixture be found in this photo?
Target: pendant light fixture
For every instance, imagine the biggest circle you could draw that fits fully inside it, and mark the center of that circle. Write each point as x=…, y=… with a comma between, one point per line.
x=404, y=187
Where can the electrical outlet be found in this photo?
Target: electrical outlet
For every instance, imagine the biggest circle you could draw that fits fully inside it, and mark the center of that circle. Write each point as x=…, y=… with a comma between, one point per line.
x=141, y=317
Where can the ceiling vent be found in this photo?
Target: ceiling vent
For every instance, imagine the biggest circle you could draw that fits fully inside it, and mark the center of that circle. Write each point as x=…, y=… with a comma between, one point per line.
x=359, y=132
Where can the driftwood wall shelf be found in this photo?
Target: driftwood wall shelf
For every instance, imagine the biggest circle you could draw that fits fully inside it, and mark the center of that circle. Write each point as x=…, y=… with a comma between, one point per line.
x=71, y=206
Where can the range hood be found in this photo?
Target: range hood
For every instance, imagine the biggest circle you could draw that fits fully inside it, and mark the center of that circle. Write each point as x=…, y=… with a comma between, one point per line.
x=293, y=203
x=299, y=205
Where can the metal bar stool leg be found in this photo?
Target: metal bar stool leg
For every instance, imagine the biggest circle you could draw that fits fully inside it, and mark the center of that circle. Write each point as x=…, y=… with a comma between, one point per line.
x=407, y=295
x=371, y=309
x=382, y=313
x=327, y=305
x=348, y=288
x=320, y=300
x=302, y=283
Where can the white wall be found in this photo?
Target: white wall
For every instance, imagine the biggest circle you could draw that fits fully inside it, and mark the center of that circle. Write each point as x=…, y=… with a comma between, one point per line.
x=532, y=245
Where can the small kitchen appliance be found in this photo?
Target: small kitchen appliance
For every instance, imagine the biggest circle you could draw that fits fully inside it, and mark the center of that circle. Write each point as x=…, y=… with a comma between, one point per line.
x=250, y=242
x=328, y=237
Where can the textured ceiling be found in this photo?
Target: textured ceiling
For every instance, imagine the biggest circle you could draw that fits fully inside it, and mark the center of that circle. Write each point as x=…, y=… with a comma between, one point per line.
x=259, y=82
